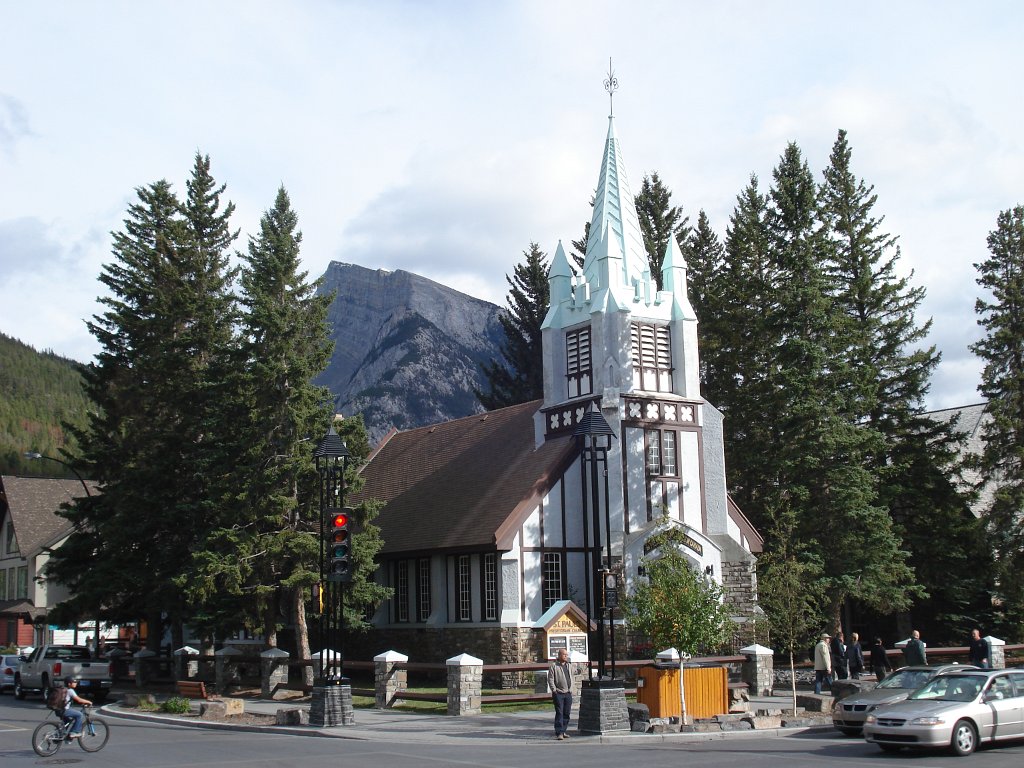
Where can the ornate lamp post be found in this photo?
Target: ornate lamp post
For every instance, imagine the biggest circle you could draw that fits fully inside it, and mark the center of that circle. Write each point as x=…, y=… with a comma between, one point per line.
x=332, y=694
x=594, y=436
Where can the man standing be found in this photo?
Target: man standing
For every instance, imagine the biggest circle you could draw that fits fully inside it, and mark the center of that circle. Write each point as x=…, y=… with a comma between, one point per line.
x=914, y=652
x=855, y=656
x=560, y=681
x=977, y=650
x=879, y=660
x=840, y=663
x=822, y=663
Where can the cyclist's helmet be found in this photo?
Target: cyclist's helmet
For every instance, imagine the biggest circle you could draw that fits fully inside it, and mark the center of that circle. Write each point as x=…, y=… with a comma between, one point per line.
x=69, y=680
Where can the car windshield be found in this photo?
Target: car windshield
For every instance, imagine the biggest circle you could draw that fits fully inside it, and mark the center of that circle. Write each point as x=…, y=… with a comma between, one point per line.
x=906, y=678
x=949, y=688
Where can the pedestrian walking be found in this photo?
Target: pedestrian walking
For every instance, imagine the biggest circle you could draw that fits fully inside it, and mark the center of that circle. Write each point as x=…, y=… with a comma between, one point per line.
x=840, y=664
x=914, y=651
x=822, y=663
x=879, y=660
x=977, y=650
x=855, y=656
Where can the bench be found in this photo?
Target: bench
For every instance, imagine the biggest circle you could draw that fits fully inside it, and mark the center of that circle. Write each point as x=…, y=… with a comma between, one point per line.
x=192, y=689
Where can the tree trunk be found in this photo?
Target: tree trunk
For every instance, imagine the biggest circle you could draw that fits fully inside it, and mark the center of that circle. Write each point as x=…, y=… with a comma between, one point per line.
x=792, y=678
x=270, y=614
x=302, y=633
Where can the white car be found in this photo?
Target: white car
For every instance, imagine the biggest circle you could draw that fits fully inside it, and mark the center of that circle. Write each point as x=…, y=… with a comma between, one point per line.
x=958, y=710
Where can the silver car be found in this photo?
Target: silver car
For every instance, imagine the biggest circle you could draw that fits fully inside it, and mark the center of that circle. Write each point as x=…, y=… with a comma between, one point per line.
x=958, y=710
x=848, y=714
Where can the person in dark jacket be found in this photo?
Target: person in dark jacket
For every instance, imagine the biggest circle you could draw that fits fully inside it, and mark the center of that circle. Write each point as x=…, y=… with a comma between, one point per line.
x=855, y=656
x=977, y=650
x=879, y=660
x=840, y=663
x=914, y=652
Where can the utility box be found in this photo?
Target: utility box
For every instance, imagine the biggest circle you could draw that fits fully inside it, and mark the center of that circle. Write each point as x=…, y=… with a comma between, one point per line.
x=707, y=690
x=657, y=686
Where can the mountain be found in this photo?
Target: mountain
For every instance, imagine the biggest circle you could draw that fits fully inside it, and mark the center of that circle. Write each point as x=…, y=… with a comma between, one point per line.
x=407, y=349
x=39, y=392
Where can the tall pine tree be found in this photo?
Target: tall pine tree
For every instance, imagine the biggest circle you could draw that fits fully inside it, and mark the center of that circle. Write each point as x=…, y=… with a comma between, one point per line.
x=519, y=376
x=1001, y=314
x=889, y=369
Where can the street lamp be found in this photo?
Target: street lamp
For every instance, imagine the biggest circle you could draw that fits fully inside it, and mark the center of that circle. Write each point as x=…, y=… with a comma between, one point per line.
x=331, y=457
x=594, y=436
x=33, y=455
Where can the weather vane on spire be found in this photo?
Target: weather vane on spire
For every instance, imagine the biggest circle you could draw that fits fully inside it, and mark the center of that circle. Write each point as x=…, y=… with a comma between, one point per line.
x=611, y=85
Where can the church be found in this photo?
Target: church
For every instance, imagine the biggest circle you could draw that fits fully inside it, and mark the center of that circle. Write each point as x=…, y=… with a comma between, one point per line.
x=490, y=520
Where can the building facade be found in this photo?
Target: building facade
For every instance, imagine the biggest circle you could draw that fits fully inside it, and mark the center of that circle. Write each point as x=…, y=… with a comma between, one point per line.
x=490, y=520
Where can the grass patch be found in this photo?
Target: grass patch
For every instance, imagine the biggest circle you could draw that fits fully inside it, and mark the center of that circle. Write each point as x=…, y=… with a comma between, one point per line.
x=177, y=706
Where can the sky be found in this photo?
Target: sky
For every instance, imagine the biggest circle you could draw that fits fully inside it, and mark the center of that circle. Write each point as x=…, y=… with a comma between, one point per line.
x=444, y=137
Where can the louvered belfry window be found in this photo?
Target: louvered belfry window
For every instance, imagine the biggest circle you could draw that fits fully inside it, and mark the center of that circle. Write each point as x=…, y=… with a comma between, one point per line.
x=652, y=357
x=579, y=376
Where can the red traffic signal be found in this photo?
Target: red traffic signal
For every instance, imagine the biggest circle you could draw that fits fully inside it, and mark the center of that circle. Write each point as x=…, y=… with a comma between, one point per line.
x=339, y=545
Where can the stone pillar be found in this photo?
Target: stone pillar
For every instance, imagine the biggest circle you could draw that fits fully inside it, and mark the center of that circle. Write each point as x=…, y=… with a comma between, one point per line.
x=331, y=705
x=273, y=671
x=603, y=707
x=996, y=652
x=227, y=671
x=465, y=680
x=388, y=678
x=186, y=663
x=759, y=669
x=143, y=668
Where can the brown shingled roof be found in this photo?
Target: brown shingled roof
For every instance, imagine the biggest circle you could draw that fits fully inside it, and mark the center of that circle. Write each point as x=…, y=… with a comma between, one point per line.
x=462, y=484
x=33, y=504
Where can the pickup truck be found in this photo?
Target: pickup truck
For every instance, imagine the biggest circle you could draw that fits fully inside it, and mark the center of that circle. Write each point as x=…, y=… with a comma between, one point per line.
x=52, y=663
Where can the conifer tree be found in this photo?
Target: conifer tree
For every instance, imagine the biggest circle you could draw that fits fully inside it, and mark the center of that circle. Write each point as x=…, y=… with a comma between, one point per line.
x=153, y=441
x=659, y=220
x=519, y=376
x=1000, y=313
x=888, y=371
x=705, y=260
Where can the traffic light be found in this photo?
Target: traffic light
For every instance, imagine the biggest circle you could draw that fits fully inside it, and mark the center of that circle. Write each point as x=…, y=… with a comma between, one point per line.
x=339, y=544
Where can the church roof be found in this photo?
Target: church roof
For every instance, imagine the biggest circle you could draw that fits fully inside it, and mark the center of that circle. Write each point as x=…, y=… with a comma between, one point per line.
x=462, y=485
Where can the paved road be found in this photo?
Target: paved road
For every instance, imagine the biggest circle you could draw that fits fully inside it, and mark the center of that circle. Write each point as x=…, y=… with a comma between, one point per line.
x=142, y=744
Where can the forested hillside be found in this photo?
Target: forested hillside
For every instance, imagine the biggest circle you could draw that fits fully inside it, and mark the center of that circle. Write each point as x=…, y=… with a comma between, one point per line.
x=39, y=392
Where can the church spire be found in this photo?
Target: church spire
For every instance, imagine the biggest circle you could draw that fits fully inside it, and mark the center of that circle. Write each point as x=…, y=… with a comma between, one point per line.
x=614, y=226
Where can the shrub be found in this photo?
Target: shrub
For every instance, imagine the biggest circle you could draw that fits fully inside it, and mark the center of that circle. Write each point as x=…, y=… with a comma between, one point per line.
x=176, y=705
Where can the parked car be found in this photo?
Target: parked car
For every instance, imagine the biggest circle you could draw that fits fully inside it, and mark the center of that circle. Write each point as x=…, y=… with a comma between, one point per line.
x=958, y=710
x=50, y=663
x=848, y=714
x=8, y=667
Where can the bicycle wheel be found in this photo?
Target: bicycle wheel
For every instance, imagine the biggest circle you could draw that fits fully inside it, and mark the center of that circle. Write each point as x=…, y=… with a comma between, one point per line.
x=46, y=739
x=94, y=735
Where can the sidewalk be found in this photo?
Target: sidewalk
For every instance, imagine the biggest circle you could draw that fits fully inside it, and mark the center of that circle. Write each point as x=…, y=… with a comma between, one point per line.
x=408, y=727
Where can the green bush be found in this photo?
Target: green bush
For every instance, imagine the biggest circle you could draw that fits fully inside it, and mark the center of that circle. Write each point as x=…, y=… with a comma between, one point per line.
x=176, y=705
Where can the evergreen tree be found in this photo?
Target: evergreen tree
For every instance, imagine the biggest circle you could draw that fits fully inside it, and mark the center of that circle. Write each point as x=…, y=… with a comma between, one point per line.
x=263, y=554
x=659, y=220
x=152, y=443
x=519, y=376
x=706, y=261
x=888, y=371
x=818, y=464
x=1001, y=314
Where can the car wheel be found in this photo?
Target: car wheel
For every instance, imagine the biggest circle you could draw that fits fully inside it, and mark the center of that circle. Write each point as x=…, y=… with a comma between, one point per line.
x=19, y=692
x=965, y=738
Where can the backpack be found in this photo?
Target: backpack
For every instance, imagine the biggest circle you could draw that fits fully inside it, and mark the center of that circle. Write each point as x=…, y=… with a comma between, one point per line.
x=56, y=697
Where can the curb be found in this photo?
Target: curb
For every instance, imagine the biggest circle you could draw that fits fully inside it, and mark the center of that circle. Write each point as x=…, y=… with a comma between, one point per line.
x=342, y=732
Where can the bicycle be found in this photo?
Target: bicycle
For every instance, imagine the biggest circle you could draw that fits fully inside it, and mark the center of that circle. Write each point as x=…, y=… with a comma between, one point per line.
x=49, y=737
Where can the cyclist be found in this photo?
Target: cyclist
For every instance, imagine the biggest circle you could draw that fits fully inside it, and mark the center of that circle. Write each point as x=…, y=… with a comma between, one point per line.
x=75, y=716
